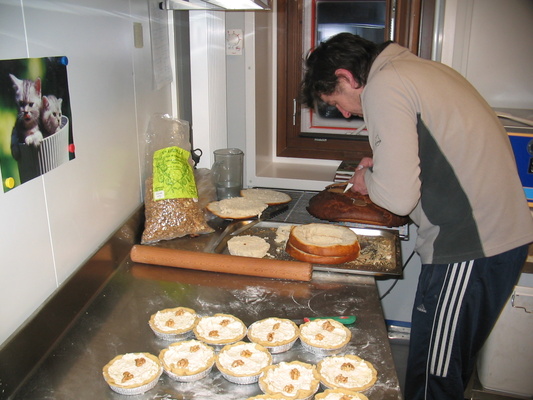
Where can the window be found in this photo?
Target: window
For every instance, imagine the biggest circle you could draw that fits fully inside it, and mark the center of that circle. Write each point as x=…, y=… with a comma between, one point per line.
x=323, y=133
x=321, y=20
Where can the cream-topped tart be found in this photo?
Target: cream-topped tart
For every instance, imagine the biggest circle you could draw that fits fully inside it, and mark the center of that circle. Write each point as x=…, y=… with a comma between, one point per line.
x=340, y=394
x=220, y=329
x=173, y=323
x=242, y=362
x=276, y=334
x=295, y=380
x=187, y=361
x=347, y=372
x=324, y=336
x=132, y=373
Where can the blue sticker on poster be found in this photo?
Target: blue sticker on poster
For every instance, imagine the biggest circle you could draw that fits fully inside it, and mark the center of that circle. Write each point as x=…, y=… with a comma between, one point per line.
x=35, y=118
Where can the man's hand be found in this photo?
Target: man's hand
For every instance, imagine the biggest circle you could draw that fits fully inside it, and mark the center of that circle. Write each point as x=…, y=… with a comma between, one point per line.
x=358, y=178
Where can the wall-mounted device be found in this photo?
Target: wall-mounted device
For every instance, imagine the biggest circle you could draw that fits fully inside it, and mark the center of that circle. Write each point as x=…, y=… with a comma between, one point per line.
x=234, y=42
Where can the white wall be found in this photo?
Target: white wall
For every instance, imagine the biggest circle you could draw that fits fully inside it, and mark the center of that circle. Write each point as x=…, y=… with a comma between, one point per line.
x=53, y=223
x=490, y=42
x=208, y=82
x=236, y=88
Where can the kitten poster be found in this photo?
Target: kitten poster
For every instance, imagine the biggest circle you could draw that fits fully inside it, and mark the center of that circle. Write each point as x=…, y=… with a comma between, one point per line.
x=35, y=118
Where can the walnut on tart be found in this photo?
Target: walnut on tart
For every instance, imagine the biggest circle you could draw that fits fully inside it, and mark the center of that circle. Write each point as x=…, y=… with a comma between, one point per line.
x=276, y=334
x=220, y=329
x=324, y=335
x=187, y=360
x=295, y=380
x=242, y=362
x=132, y=373
x=347, y=372
x=173, y=323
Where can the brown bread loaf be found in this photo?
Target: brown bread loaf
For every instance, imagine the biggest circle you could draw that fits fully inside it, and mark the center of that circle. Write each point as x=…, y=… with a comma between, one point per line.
x=333, y=205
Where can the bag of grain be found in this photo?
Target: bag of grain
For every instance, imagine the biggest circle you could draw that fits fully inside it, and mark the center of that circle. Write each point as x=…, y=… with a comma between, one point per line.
x=171, y=195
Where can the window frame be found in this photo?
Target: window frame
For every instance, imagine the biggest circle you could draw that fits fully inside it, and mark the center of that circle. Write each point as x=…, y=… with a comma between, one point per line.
x=409, y=31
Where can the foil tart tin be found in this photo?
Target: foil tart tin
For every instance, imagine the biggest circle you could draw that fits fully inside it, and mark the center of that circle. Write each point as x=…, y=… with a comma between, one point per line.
x=173, y=336
x=218, y=347
x=241, y=380
x=189, y=378
x=138, y=389
x=272, y=349
x=319, y=351
x=282, y=348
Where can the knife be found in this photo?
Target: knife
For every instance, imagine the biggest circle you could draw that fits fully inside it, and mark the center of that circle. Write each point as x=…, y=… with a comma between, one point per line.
x=343, y=319
x=350, y=184
x=348, y=187
x=269, y=213
x=345, y=186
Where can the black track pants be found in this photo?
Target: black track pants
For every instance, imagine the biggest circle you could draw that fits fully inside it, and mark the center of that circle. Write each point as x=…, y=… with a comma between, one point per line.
x=455, y=308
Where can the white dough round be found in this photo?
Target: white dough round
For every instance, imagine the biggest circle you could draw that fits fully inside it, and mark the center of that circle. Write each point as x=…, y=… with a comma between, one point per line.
x=237, y=208
x=268, y=196
x=248, y=246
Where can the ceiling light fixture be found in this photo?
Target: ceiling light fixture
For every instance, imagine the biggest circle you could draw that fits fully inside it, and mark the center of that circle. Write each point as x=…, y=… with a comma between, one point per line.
x=216, y=5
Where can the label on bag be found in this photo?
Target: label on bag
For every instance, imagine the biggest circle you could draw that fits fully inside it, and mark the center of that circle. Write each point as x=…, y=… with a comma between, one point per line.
x=173, y=175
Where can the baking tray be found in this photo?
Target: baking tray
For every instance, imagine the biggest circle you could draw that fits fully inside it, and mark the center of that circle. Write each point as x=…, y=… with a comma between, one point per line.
x=380, y=248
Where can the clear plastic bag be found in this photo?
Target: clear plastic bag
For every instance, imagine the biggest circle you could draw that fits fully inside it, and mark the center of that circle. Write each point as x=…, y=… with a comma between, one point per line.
x=172, y=209
x=206, y=189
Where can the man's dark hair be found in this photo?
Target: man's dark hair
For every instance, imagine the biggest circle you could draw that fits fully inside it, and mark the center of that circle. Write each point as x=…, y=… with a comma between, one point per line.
x=344, y=50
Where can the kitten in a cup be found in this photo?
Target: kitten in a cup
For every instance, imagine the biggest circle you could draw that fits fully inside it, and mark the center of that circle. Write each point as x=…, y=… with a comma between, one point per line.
x=26, y=130
x=51, y=115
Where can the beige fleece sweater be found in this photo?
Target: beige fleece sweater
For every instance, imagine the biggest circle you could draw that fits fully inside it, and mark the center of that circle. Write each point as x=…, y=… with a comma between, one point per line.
x=442, y=157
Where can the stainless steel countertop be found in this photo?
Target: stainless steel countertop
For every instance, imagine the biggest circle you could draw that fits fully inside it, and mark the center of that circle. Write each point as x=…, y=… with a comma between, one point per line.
x=115, y=321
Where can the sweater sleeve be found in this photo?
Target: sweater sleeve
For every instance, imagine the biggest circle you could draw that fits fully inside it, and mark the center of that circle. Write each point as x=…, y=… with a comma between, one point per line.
x=390, y=111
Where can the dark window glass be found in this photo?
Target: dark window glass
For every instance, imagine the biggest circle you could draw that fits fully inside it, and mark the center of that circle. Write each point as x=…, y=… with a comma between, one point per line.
x=363, y=18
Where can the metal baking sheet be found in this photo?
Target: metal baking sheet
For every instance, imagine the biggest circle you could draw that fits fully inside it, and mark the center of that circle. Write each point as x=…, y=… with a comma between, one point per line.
x=380, y=249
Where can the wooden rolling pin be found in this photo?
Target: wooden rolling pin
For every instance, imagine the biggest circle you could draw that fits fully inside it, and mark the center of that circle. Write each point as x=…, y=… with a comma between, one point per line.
x=293, y=289
x=267, y=268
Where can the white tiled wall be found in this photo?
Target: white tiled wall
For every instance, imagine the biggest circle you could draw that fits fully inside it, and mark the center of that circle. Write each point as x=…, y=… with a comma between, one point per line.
x=51, y=224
